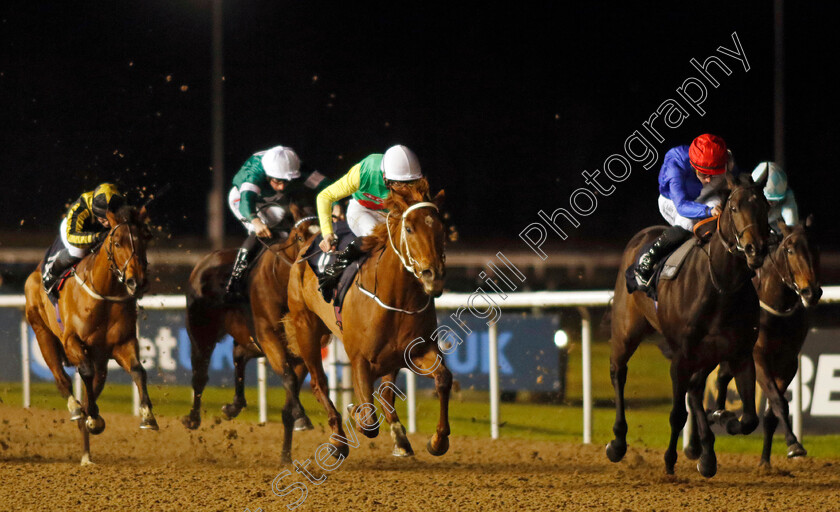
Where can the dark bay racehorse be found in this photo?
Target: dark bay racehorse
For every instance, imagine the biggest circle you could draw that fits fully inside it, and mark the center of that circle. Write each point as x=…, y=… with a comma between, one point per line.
x=787, y=284
x=708, y=314
x=389, y=306
x=98, y=312
x=256, y=327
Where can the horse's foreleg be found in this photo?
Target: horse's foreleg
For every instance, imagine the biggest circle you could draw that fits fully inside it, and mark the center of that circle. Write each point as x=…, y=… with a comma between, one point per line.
x=126, y=355
x=76, y=351
x=780, y=408
x=367, y=421
x=386, y=396
x=707, y=465
x=745, y=382
x=302, y=421
x=618, y=446
x=431, y=365
x=724, y=377
x=770, y=423
x=679, y=385
x=241, y=356
x=200, y=359
x=86, y=460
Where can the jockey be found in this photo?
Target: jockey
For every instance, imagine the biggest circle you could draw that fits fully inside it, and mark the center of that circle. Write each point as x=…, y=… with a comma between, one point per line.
x=369, y=183
x=782, y=203
x=84, y=227
x=257, y=188
x=688, y=183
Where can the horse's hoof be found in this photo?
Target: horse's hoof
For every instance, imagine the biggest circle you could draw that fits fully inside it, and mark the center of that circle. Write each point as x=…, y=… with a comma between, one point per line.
x=370, y=433
x=692, y=452
x=86, y=460
x=150, y=424
x=95, y=425
x=400, y=451
x=230, y=411
x=75, y=408
x=341, y=451
x=285, y=458
x=303, y=423
x=707, y=466
x=190, y=422
x=76, y=415
x=796, y=450
x=443, y=448
x=721, y=417
x=616, y=451
x=733, y=426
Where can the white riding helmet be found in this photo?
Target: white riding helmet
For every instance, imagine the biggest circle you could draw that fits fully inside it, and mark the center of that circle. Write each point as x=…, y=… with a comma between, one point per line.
x=776, y=187
x=400, y=164
x=281, y=163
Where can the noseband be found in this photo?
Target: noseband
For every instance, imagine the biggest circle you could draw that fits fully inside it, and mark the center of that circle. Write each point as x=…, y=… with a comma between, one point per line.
x=119, y=273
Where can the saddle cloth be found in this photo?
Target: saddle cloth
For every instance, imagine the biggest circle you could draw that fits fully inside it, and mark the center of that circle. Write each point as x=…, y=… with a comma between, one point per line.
x=668, y=268
x=318, y=260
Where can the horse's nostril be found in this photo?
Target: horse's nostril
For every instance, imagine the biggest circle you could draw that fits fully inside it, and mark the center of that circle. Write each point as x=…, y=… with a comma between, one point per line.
x=428, y=274
x=131, y=282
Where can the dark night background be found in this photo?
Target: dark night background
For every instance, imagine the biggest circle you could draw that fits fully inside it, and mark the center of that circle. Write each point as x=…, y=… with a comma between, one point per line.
x=504, y=106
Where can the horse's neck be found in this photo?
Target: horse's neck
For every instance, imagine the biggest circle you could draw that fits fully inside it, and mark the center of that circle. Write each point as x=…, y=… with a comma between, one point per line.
x=97, y=271
x=729, y=267
x=772, y=289
x=393, y=280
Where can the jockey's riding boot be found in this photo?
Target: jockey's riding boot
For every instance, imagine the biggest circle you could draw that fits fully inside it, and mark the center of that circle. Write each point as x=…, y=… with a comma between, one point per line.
x=670, y=239
x=53, y=269
x=233, y=289
x=332, y=273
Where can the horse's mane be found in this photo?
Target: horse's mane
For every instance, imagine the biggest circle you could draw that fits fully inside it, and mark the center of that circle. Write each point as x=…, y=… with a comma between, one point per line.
x=127, y=214
x=401, y=196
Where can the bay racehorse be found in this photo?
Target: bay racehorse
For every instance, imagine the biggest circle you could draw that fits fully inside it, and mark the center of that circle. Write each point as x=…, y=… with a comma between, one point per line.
x=256, y=326
x=788, y=285
x=707, y=314
x=388, y=317
x=98, y=320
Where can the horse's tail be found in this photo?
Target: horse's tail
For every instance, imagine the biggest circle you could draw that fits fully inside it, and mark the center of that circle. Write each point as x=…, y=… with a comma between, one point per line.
x=605, y=327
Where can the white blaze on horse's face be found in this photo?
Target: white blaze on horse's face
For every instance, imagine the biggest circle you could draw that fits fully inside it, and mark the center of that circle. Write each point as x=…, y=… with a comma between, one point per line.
x=127, y=250
x=424, y=247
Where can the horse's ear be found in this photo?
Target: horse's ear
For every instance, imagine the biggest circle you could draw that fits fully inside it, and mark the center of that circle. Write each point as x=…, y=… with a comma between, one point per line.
x=297, y=214
x=731, y=180
x=783, y=227
x=439, y=198
x=143, y=215
x=809, y=221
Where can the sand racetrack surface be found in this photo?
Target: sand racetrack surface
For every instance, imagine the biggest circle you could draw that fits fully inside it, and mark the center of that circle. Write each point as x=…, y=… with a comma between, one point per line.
x=230, y=466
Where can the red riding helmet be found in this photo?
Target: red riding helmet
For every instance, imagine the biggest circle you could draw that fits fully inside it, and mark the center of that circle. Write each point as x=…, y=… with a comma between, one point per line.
x=707, y=154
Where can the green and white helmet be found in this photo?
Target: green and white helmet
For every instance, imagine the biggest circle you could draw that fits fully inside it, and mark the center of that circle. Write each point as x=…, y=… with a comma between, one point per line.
x=400, y=164
x=776, y=187
x=280, y=163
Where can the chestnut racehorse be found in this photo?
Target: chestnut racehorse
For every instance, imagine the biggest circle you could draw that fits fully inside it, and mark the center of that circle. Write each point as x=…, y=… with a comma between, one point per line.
x=707, y=314
x=98, y=311
x=388, y=310
x=788, y=284
x=208, y=318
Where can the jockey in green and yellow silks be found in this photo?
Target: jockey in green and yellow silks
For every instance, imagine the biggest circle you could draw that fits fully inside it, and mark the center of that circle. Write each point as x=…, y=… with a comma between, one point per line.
x=368, y=182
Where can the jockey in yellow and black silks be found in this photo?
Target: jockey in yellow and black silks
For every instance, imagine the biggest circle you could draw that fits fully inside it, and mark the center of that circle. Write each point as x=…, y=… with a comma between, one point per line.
x=84, y=226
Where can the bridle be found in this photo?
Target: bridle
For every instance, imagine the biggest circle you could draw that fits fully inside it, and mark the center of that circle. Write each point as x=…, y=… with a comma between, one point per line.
x=113, y=267
x=404, y=252
x=788, y=280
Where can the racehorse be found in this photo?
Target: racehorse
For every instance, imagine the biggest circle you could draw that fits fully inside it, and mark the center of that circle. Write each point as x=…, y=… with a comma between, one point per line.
x=388, y=317
x=208, y=318
x=787, y=285
x=98, y=320
x=707, y=315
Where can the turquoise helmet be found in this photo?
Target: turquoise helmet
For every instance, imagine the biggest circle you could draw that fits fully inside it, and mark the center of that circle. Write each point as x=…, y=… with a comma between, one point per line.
x=776, y=187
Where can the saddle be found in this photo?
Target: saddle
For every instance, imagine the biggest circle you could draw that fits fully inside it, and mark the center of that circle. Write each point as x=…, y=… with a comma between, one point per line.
x=318, y=261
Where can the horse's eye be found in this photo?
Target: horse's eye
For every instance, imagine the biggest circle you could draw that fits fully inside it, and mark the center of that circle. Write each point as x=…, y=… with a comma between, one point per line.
x=116, y=244
x=408, y=230
x=789, y=250
x=733, y=209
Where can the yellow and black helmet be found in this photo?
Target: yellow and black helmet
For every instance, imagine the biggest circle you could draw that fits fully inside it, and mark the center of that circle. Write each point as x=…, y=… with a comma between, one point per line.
x=106, y=198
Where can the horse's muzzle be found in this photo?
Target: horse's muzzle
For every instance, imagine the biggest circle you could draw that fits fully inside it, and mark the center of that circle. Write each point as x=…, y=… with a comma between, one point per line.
x=433, y=282
x=136, y=289
x=755, y=255
x=810, y=295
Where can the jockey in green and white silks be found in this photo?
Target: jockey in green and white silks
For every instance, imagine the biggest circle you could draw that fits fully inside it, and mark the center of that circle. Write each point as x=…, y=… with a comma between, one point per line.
x=254, y=199
x=368, y=182
x=782, y=203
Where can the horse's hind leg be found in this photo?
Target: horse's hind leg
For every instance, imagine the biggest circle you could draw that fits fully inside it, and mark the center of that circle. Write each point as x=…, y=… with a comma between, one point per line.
x=202, y=342
x=365, y=413
x=302, y=421
x=53, y=355
x=241, y=356
x=720, y=415
x=745, y=382
x=780, y=411
x=626, y=336
x=770, y=423
x=679, y=385
x=126, y=355
x=386, y=396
